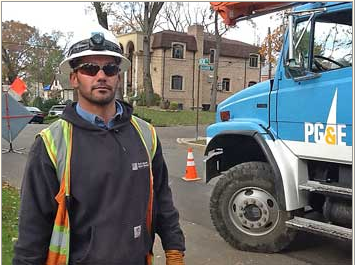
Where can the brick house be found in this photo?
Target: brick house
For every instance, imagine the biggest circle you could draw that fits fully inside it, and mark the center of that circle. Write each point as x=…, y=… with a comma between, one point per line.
x=174, y=65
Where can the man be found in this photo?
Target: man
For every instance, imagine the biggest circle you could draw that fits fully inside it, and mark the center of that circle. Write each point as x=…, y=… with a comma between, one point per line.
x=95, y=189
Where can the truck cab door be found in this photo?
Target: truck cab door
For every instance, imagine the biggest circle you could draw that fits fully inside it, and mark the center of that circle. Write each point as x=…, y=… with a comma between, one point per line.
x=314, y=98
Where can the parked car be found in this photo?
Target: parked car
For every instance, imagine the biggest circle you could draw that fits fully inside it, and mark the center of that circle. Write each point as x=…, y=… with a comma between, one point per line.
x=38, y=115
x=56, y=110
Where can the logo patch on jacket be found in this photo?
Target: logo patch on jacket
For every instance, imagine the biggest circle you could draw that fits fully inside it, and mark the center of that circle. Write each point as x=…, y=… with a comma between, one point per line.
x=137, y=231
x=139, y=165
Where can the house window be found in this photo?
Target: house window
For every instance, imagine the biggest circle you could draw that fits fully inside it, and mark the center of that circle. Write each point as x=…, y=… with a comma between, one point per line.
x=253, y=60
x=212, y=55
x=176, y=82
x=178, y=51
x=226, y=84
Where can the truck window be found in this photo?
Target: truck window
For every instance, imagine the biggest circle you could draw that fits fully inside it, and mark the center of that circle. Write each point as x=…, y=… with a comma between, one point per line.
x=329, y=49
x=333, y=41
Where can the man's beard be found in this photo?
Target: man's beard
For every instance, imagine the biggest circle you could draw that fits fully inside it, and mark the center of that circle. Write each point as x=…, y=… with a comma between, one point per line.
x=100, y=100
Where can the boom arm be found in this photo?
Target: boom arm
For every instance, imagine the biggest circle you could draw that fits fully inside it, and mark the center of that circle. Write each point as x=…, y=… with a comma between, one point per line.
x=232, y=12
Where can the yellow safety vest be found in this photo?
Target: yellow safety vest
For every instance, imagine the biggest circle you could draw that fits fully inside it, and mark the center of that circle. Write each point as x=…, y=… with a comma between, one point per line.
x=58, y=141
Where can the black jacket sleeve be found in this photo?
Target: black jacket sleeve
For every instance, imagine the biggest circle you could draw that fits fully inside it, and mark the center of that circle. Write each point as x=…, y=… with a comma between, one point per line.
x=37, y=207
x=166, y=215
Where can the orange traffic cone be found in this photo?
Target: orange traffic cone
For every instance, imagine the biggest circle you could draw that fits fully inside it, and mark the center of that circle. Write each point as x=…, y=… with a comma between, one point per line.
x=191, y=173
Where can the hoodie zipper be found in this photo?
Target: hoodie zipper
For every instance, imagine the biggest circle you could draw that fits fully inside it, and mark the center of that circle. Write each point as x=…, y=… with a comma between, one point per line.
x=116, y=132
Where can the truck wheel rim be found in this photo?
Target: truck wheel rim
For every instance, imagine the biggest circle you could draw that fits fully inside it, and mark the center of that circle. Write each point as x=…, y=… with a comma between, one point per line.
x=253, y=211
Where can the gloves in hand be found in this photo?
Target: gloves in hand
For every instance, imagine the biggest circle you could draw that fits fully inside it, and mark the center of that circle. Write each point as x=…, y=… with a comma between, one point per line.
x=174, y=257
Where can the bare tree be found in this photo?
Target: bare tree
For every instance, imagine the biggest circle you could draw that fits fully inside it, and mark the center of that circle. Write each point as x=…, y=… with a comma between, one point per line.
x=142, y=16
x=151, y=10
x=178, y=16
x=172, y=17
x=128, y=16
x=101, y=13
x=204, y=18
x=136, y=16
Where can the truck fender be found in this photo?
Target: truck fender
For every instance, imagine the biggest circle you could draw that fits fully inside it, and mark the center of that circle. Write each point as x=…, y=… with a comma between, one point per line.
x=214, y=152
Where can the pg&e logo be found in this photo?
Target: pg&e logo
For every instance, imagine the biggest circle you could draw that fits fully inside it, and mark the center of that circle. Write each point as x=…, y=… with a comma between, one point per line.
x=330, y=134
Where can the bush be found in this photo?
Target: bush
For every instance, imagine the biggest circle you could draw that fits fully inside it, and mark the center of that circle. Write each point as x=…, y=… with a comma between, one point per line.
x=164, y=104
x=173, y=105
x=38, y=102
x=47, y=104
x=142, y=100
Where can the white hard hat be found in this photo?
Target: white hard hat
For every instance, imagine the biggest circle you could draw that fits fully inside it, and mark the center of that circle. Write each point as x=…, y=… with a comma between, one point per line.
x=95, y=40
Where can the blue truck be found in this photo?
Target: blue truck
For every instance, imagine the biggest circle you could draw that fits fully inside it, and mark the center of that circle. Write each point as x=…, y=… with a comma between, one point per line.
x=280, y=151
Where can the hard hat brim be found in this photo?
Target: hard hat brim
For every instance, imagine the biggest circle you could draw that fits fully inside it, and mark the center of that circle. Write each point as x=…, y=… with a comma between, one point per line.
x=66, y=69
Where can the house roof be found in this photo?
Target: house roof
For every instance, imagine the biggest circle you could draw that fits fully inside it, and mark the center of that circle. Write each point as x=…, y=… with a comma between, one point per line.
x=163, y=39
x=229, y=48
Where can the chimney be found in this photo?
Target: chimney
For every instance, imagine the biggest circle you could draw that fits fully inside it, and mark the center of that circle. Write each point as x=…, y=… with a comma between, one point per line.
x=196, y=30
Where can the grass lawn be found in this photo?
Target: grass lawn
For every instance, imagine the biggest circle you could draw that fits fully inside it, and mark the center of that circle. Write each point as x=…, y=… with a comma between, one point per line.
x=162, y=118
x=10, y=208
x=173, y=118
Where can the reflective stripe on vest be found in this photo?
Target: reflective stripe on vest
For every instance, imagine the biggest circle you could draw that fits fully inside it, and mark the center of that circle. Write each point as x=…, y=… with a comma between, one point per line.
x=149, y=139
x=58, y=142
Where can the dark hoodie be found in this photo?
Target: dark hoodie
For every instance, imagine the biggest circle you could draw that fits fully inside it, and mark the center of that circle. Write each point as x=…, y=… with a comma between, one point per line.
x=109, y=197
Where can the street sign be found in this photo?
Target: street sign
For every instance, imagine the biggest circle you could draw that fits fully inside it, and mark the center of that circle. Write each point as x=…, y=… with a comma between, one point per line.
x=207, y=67
x=203, y=61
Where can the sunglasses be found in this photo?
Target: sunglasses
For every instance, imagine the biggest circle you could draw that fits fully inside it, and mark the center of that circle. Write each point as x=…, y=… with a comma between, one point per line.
x=92, y=69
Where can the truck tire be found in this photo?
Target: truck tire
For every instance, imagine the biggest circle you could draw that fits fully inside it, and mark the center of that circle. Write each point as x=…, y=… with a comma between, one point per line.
x=245, y=212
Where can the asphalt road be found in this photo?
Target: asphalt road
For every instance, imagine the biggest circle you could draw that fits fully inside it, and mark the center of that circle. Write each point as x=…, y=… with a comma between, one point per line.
x=204, y=245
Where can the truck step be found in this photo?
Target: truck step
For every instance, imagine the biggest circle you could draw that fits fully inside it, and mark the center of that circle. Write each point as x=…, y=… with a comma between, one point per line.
x=320, y=228
x=315, y=186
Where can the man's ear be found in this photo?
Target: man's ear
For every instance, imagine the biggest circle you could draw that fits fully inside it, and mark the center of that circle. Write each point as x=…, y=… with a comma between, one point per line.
x=73, y=78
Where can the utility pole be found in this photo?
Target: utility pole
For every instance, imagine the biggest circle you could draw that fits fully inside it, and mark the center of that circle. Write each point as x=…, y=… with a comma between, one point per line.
x=245, y=73
x=198, y=98
x=269, y=50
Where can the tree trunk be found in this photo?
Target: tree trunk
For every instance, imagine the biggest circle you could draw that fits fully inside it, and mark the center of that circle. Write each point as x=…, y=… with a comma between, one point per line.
x=12, y=74
x=147, y=79
x=101, y=14
x=151, y=10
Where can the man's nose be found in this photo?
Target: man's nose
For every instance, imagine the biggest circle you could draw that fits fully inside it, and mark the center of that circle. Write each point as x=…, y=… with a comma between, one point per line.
x=101, y=74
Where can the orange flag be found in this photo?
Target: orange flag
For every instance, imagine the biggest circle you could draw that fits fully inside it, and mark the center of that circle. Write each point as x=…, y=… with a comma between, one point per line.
x=18, y=86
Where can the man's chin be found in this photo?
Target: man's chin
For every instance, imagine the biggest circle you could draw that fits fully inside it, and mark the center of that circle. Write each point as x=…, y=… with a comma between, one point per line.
x=102, y=101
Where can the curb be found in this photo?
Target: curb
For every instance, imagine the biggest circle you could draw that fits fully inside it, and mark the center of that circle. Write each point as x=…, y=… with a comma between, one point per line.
x=189, y=141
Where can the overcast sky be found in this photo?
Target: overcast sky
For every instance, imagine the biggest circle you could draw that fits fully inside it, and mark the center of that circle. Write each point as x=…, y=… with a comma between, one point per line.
x=63, y=16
